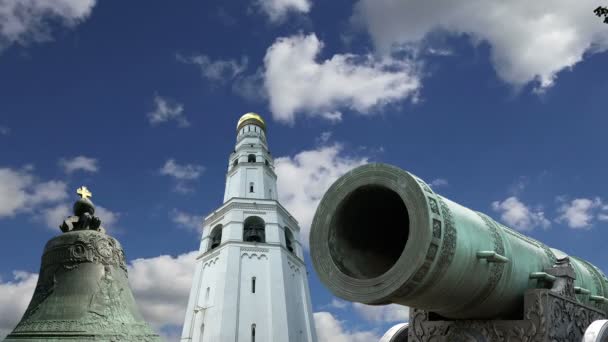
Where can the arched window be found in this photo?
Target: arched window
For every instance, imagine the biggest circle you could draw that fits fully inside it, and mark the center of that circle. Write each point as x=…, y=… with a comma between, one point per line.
x=254, y=229
x=252, y=284
x=216, y=236
x=251, y=158
x=288, y=239
x=203, y=332
x=251, y=187
x=266, y=162
x=253, y=332
x=236, y=161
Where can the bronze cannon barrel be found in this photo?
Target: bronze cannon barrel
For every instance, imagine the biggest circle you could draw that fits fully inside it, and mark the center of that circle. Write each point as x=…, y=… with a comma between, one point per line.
x=381, y=235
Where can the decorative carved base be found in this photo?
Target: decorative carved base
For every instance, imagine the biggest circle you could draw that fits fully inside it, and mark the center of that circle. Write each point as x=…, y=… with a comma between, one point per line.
x=548, y=317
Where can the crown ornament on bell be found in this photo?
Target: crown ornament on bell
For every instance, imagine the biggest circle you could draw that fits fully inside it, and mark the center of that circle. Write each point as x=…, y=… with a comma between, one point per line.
x=83, y=292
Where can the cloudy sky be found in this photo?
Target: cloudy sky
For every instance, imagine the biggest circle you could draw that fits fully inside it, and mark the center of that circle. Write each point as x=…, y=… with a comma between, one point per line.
x=497, y=104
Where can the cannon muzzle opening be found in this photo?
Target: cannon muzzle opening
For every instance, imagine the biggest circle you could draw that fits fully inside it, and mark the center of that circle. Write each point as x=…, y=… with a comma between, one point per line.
x=368, y=231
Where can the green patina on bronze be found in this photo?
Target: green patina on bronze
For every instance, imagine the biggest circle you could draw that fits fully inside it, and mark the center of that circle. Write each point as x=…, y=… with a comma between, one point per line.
x=382, y=235
x=83, y=292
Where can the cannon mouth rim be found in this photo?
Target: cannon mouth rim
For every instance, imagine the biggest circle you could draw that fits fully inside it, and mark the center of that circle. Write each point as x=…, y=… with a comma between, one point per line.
x=383, y=288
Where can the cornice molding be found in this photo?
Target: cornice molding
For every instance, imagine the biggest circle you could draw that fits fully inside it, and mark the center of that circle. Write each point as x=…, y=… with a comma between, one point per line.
x=234, y=203
x=268, y=168
x=249, y=246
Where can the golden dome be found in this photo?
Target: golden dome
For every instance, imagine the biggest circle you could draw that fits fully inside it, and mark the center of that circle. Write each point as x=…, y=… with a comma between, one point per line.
x=251, y=118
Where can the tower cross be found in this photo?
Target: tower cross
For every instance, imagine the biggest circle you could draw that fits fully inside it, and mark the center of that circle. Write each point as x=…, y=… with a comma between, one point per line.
x=84, y=192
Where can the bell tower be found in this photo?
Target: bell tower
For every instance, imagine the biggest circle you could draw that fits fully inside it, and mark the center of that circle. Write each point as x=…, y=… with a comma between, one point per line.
x=250, y=282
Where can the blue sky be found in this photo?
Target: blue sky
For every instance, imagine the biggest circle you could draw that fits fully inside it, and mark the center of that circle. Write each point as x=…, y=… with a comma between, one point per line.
x=499, y=105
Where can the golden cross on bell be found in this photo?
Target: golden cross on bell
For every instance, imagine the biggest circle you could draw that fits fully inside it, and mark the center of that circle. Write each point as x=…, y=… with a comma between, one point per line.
x=84, y=192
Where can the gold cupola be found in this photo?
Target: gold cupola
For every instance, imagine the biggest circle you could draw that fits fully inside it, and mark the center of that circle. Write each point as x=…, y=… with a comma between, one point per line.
x=251, y=118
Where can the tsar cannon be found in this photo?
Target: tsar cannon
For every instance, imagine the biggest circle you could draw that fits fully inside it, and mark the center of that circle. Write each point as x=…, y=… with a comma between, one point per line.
x=381, y=235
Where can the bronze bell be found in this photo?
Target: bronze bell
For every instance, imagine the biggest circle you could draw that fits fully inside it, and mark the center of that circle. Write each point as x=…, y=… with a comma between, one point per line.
x=83, y=293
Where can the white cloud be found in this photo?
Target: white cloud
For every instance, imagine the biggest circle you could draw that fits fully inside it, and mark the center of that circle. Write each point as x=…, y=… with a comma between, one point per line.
x=383, y=313
x=332, y=116
x=186, y=220
x=166, y=110
x=15, y=296
x=221, y=71
x=108, y=217
x=518, y=186
x=439, y=51
x=519, y=216
x=323, y=138
x=528, y=41
x=329, y=329
x=13, y=191
x=79, y=163
x=183, y=188
x=181, y=172
x=277, y=10
x=4, y=130
x=297, y=83
x=250, y=87
x=304, y=178
x=439, y=182
x=603, y=215
x=373, y=313
x=580, y=212
x=21, y=191
x=48, y=192
x=25, y=21
x=339, y=304
x=218, y=70
x=336, y=304
x=54, y=216
x=161, y=286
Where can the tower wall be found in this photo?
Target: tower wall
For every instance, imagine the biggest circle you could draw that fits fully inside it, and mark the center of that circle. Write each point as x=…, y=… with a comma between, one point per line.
x=226, y=303
x=243, y=171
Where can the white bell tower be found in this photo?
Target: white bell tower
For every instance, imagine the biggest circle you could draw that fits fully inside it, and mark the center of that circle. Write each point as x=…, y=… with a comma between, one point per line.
x=250, y=282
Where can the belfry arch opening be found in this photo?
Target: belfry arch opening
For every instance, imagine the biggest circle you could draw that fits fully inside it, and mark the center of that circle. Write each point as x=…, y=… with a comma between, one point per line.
x=289, y=241
x=216, y=236
x=254, y=229
x=251, y=158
